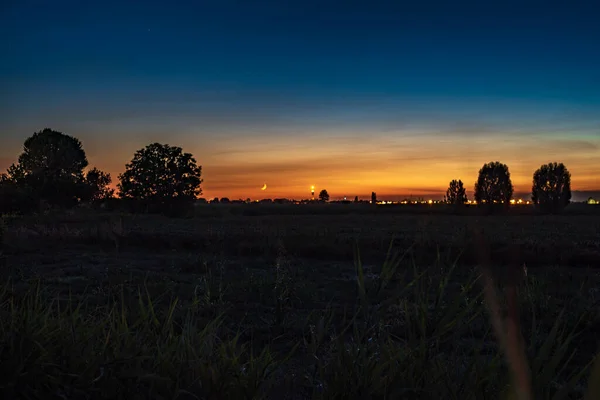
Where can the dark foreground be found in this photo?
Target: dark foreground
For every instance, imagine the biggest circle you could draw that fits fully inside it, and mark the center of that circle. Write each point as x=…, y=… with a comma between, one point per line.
x=232, y=306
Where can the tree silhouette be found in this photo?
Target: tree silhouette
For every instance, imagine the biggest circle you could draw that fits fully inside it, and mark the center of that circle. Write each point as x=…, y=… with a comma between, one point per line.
x=356, y=199
x=494, y=187
x=456, y=193
x=324, y=196
x=51, y=166
x=98, y=185
x=161, y=172
x=551, y=190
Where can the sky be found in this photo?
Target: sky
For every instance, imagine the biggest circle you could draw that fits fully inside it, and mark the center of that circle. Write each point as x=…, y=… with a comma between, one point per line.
x=349, y=96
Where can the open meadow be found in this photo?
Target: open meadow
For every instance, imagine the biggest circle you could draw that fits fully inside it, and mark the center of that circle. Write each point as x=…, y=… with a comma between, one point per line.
x=253, y=301
x=299, y=200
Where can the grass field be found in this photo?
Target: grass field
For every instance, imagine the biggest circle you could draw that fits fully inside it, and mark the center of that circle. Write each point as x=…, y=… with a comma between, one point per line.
x=266, y=303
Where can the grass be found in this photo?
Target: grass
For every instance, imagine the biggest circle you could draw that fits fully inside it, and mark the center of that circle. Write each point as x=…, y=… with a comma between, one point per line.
x=408, y=320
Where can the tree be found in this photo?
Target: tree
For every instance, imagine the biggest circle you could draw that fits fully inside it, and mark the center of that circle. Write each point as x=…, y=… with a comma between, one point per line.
x=160, y=172
x=98, y=185
x=356, y=199
x=551, y=190
x=494, y=187
x=51, y=166
x=456, y=193
x=324, y=196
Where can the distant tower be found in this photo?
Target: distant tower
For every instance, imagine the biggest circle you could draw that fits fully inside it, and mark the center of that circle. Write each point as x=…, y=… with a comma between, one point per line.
x=373, y=198
x=312, y=191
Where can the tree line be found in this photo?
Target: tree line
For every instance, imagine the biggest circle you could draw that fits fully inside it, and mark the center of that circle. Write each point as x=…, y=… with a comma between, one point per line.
x=550, y=191
x=50, y=173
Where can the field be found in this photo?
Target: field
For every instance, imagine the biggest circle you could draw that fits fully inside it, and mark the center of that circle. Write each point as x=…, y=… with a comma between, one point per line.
x=240, y=302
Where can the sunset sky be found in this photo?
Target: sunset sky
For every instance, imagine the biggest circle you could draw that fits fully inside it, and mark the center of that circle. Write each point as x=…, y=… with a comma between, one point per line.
x=352, y=96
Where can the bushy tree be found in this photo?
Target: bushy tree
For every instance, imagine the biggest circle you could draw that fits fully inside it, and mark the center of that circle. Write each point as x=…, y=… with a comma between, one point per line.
x=98, y=185
x=324, y=196
x=456, y=193
x=51, y=167
x=494, y=187
x=551, y=190
x=160, y=172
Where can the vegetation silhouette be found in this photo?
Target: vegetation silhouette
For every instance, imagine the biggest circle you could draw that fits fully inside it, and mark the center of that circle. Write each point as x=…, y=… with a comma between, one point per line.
x=551, y=190
x=98, y=185
x=50, y=170
x=324, y=196
x=494, y=189
x=161, y=178
x=456, y=193
x=16, y=199
x=52, y=165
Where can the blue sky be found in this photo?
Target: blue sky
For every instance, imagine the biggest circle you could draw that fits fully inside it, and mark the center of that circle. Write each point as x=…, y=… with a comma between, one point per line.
x=240, y=82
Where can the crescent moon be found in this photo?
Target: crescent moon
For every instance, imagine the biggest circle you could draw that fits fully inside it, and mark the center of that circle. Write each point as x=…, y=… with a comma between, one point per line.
x=264, y=187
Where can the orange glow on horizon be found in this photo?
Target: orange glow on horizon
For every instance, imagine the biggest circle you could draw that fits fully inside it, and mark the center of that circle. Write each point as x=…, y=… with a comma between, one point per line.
x=351, y=165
